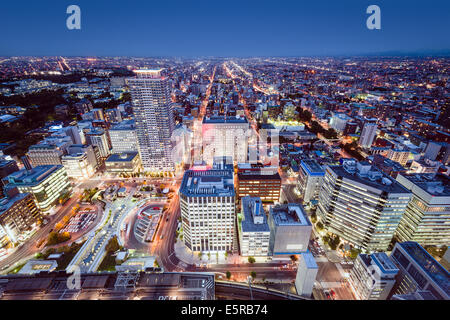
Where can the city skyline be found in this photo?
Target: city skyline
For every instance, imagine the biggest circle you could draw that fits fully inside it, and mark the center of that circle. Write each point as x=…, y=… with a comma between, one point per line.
x=237, y=150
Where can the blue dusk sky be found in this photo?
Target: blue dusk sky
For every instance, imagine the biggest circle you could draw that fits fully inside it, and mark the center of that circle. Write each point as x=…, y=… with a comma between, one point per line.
x=224, y=28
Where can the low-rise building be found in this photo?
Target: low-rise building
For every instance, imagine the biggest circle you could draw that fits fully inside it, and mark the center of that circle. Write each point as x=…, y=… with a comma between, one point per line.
x=290, y=230
x=306, y=274
x=128, y=162
x=257, y=180
x=35, y=266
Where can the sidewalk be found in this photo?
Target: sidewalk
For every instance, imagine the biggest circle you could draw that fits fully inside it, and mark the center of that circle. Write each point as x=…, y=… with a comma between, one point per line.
x=190, y=257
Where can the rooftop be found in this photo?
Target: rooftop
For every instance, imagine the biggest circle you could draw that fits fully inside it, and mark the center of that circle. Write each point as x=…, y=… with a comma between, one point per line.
x=122, y=157
x=32, y=177
x=36, y=266
x=7, y=203
x=428, y=264
x=291, y=214
x=436, y=185
x=247, y=176
x=225, y=119
x=312, y=167
x=254, y=219
x=383, y=262
x=309, y=260
x=204, y=183
x=124, y=125
x=368, y=175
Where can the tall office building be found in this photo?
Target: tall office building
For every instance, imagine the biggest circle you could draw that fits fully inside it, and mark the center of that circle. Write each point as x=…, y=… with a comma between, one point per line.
x=208, y=210
x=74, y=133
x=419, y=272
x=368, y=134
x=427, y=216
x=77, y=165
x=98, y=114
x=339, y=121
x=361, y=205
x=310, y=177
x=373, y=276
x=91, y=151
x=153, y=115
x=97, y=137
x=225, y=136
x=123, y=137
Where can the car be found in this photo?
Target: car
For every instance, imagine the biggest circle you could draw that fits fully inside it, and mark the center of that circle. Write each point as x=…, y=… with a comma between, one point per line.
x=327, y=294
x=333, y=294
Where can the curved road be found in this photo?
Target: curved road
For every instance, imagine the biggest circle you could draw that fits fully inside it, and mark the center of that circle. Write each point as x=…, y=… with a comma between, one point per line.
x=29, y=247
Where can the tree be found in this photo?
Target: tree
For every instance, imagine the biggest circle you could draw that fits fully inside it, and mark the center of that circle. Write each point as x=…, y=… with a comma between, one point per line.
x=253, y=275
x=113, y=245
x=200, y=254
x=313, y=217
x=294, y=258
x=319, y=225
x=330, y=133
x=56, y=237
x=316, y=127
x=354, y=253
x=251, y=260
x=228, y=275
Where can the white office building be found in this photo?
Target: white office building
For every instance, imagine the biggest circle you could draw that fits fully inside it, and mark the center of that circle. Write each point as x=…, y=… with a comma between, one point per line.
x=254, y=231
x=368, y=134
x=339, y=121
x=306, y=274
x=361, y=204
x=373, y=276
x=45, y=154
x=225, y=136
x=419, y=272
x=207, y=202
x=123, y=137
x=46, y=183
x=310, y=177
x=97, y=137
x=78, y=166
x=427, y=217
x=152, y=107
